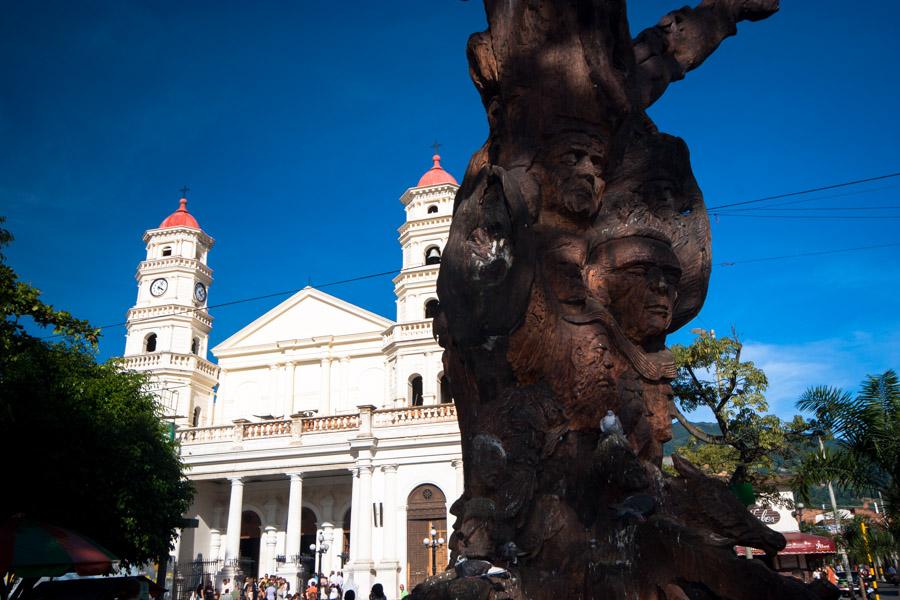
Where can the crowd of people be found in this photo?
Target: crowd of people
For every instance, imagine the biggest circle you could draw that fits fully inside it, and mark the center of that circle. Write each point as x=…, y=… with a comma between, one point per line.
x=332, y=587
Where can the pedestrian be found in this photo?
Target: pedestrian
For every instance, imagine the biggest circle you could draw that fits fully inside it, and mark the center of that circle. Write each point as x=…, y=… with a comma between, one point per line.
x=227, y=595
x=403, y=592
x=377, y=592
x=312, y=592
x=349, y=595
x=334, y=593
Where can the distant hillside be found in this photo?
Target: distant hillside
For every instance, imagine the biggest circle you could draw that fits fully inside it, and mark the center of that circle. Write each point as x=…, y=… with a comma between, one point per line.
x=680, y=435
x=818, y=494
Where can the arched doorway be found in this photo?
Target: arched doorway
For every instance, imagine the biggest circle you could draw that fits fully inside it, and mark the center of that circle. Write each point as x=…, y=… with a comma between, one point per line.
x=426, y=509
x=251, y=532
x=308, y=523
x=345, y=544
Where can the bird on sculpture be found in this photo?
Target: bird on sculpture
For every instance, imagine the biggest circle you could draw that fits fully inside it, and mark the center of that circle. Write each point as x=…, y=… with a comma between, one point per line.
x=611, y=424
x=637, y=507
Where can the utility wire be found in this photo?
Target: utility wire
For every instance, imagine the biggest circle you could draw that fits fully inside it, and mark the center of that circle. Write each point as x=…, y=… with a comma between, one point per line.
x=709, y=210
x=243, y=300
x=811, y=217
x=809, y=191
x=828, y=197
x=768, y=258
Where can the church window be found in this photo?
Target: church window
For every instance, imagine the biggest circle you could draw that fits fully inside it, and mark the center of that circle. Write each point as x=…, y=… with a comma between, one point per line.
x=432, y=255
x=432, y=209
x=431, y=308
x=195, y=346
x=446, y=396
x=150, y=343
x=195, y=421
x=167, y=251
x=415, y=391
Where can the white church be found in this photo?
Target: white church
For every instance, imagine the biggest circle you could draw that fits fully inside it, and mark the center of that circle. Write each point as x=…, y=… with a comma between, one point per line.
x=319, y=423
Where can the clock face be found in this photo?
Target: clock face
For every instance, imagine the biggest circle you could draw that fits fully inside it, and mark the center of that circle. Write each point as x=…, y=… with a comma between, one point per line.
x=199, y=292
x=159, y=287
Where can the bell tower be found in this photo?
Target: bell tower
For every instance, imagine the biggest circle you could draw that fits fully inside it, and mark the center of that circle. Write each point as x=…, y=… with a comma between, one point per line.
x=429, y=208
x=412, y=356
x=168, y=327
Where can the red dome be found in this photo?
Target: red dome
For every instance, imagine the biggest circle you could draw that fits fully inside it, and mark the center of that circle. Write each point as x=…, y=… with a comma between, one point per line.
x=436, y=175
x=180, y=218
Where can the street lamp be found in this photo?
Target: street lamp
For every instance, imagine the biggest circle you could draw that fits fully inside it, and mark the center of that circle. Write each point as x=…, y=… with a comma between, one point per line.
x=319, y=549
x=434, y=542
x=799, y=514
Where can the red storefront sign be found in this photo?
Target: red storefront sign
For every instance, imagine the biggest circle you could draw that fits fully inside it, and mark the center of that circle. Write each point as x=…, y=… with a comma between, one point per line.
x=799, y=543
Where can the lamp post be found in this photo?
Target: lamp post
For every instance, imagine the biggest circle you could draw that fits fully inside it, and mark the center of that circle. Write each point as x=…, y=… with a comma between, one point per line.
x=319, y=549
x=434, y=542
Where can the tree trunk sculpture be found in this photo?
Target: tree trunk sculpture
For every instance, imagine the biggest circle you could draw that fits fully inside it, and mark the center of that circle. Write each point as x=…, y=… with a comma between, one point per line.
x=579, y=240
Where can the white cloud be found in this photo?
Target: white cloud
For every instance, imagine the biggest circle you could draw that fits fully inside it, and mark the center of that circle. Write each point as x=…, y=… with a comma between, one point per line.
x=837, y=362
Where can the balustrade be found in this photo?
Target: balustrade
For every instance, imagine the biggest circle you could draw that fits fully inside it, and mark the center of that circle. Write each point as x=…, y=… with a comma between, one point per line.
x=411, y=415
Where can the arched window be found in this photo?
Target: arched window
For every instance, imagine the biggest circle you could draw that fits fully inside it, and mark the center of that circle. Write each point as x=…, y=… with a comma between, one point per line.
x=415, y=391
x=431, y=308
x=195, y=421
x=446, y=396
x=195, y=346
x=150, y=343
x=167, y=251
x=432, y=209
x=432, y=255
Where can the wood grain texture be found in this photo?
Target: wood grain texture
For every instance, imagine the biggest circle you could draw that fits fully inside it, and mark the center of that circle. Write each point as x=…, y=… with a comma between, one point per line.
x=579, y=240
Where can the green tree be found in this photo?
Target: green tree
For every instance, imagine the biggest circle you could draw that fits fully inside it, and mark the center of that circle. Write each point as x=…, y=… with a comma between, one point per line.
x=865, y=433
x=750, y=444
x=83, y=443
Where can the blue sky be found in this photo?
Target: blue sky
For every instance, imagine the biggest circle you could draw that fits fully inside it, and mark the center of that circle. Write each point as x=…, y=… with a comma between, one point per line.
x=297, y=126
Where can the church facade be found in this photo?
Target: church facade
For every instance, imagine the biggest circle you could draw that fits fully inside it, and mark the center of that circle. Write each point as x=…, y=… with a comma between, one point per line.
x=319, y=423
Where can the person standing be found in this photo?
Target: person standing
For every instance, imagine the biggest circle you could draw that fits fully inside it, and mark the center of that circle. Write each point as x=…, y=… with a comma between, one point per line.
x=377, y=592
x=403, y=592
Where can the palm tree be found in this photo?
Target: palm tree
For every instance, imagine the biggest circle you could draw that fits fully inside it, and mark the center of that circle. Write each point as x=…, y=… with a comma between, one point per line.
x=866, y=432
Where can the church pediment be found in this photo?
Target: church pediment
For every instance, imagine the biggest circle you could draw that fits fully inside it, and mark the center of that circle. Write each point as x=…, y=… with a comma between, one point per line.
x=307, y=314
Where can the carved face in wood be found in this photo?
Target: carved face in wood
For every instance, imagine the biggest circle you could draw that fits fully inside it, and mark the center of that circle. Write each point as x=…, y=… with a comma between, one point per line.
x=637, y=277
x=574, y=172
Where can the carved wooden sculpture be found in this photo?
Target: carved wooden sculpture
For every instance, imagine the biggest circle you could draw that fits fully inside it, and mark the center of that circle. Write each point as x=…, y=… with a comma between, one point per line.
x=579, y=240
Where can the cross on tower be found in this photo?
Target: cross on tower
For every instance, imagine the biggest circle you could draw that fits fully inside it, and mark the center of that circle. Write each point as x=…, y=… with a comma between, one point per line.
x=436, y=146
x=184, y=191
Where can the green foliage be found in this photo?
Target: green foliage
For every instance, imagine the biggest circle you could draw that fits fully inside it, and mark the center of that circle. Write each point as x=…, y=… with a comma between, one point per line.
x=83, y=444
x=750, y=445
x=877, y=542
x=865, y=429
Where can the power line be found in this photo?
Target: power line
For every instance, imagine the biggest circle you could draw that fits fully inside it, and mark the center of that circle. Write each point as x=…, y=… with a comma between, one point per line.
x=243, y=300
x=768, y=258
x=809, y=191
x=772, y=208
x=828, y=197
x=809, y=217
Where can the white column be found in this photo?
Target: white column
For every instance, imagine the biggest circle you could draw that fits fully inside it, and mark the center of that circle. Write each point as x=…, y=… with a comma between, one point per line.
x=233, y=531
x=429, y=383
x=354, y=515
x=267, y=561
x=273, y=404
x=390, y=512
x=215, y=544
x=327, y=558
x=345, y=382
x=365, y=512
x=325, y=404
x=291, y=389
x=295, y=514
x=457, y=465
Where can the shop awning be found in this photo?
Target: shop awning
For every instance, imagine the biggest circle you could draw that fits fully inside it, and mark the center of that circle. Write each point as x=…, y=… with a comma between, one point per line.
x=799, y=543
